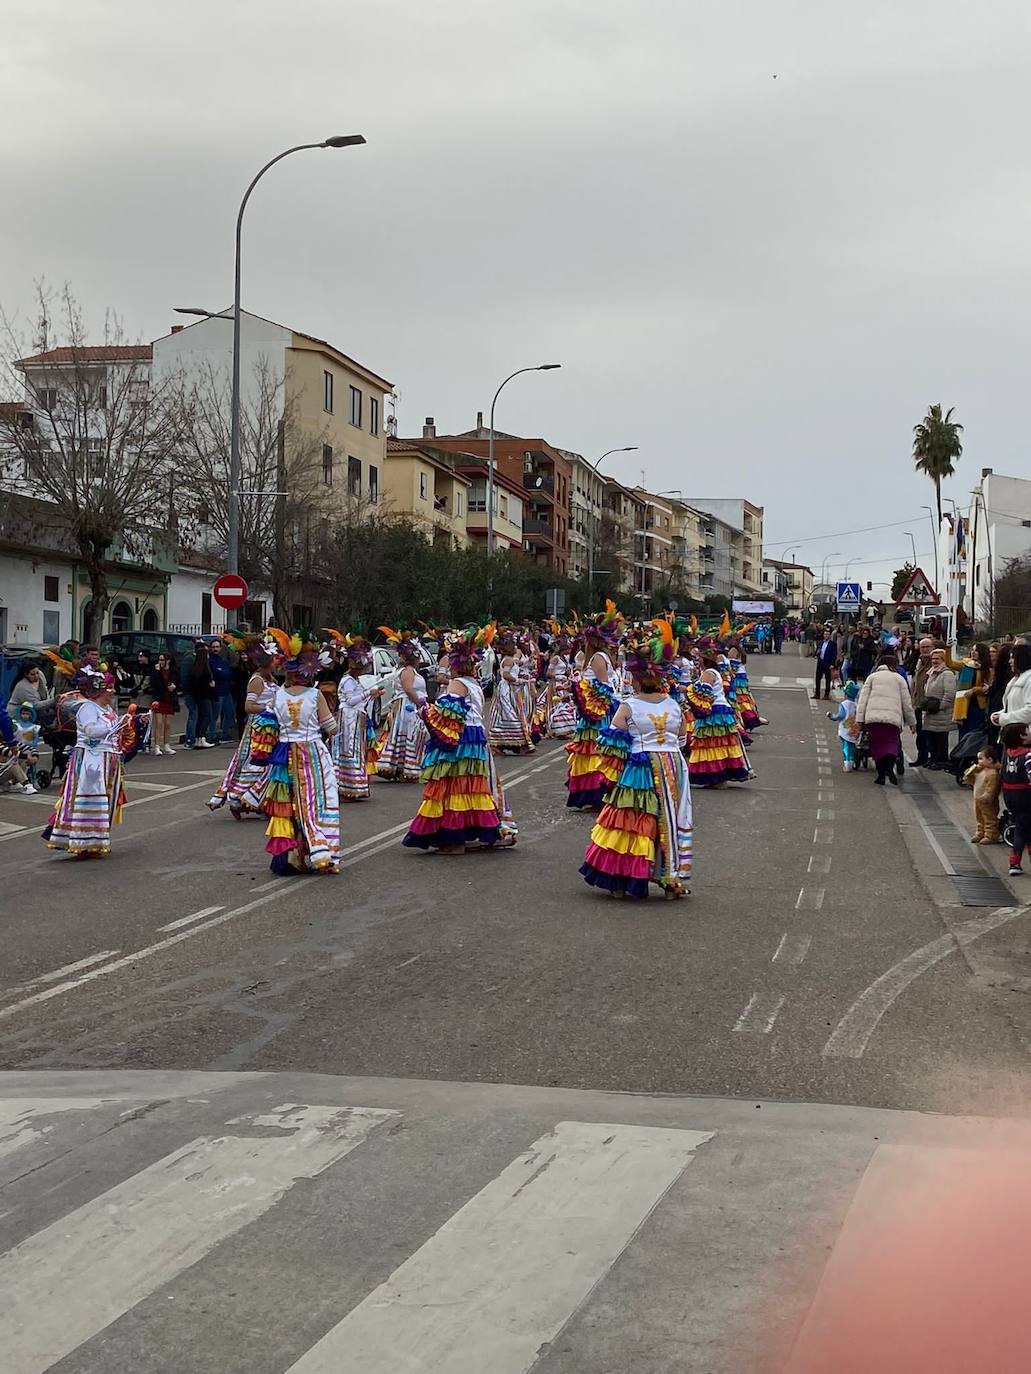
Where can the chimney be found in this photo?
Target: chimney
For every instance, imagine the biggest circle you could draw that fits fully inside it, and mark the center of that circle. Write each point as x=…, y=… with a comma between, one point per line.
x=177, y=327
x=429, y=429
x=479, y=419
x=985, y=472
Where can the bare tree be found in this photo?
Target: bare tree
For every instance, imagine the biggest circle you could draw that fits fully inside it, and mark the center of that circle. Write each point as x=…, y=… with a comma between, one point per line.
x=95, y=437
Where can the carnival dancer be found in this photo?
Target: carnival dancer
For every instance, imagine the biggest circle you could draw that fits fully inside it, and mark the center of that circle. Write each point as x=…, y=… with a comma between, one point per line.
x=298, y=791
x=717, y=754
x=509, y=728
x=645, y=831
x=588, y=776
x=559, y=708
x=243, y=774
x=401, y=757
x=351, y=744
x=93, y=794
x=463, y=801
x=750, y=717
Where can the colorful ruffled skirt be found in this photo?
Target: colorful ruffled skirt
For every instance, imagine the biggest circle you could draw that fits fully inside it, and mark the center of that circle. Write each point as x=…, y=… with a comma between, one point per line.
x=557, y=712
x=645, y=831
x=299, y=796
x=351, y=754
x=589, y=775
x=401, y=756
x=241, y=777
x=750, y=717
x=510, y=728
x=90, y=803
x=717, y=754
x=463, y=801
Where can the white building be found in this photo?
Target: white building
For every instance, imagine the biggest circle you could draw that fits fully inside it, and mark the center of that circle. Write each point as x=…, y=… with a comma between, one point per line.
x=998, y=529
x=746, y=518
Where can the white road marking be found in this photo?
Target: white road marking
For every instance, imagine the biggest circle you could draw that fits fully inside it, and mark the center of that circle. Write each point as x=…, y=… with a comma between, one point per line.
x=759, y=1014
x=8, y=828
x=364, y=849
x=75, y=1277
x=852, y=1033
x=63, y=972
x=501, y=1277
x=21, y=1121
x=132, y=784
x=188, y=920
x=825, y=796
x=824, y=815
x=810, y=898
x=823, y=834
x=792, y=949
x=819, y=863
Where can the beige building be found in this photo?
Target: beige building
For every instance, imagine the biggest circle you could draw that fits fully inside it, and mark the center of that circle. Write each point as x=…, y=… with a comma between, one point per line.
x=688, y=542
x=746, y=552
x=424, y=483
x=655, y=569
x=796, y=580
x=586, y=506
x=509, y=506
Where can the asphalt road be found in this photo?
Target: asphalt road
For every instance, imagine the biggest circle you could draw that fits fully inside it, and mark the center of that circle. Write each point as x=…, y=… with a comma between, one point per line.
x=505, y=967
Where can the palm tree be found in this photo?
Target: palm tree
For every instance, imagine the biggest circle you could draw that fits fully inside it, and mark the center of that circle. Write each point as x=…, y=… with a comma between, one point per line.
x=936, y=448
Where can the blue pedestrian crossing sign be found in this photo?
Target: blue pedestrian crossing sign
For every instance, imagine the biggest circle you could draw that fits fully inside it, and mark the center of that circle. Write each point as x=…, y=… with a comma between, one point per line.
x=849, y=596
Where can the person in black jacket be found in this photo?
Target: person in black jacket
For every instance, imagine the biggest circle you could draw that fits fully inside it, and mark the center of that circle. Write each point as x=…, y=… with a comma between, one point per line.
x=1016, y=790
x=826, y=662
x=200, y=691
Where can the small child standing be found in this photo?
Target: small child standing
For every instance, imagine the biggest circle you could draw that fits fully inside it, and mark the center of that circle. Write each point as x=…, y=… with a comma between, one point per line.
x=27, y=734
x=985, y=778
x=1016, y=789
x=848, y=729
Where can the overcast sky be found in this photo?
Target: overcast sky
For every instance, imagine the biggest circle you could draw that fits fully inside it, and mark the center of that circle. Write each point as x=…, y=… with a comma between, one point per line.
x=760, y=236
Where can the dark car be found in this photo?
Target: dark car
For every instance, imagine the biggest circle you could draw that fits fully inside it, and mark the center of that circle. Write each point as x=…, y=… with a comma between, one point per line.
x=128, y=643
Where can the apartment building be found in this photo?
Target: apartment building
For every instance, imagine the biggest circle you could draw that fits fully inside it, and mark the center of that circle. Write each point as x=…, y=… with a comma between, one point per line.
x=426, y=484
x=791, y=583
x=746, y=519
x=508, y=506
x=542, y=472
x=586, y=508
x=619, y=544
x=654, y=562
x=686, y=548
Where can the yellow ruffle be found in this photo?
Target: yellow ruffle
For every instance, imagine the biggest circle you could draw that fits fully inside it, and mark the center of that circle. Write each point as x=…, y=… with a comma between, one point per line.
x=623, y=842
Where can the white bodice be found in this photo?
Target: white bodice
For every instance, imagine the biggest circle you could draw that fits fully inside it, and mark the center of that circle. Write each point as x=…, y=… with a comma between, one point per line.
x=654, y=725
x=96, y=728
x=265, y=697
x=298, y=714
x=591, y=675
x=474, y=696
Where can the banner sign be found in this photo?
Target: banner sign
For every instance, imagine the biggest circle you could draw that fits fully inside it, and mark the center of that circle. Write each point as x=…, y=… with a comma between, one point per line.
x=752, y=607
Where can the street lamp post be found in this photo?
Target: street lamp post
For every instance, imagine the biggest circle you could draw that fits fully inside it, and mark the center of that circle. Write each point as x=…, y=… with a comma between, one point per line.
x=233, y=549
x=627, y=448
x=823, y=565
x=913, y=542
x=541, y=367
x=934, y=532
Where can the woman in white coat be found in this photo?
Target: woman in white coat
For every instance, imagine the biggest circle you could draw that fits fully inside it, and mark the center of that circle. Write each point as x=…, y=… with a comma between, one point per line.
x=885, y=705
x=1016, y=700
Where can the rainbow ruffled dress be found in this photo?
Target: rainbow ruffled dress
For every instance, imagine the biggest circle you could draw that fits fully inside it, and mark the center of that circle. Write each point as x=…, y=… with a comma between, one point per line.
x=243, y=774
x=717, y=754
x=299, y=790
x=645, y=831
x=743, y=698
x=400, y=758
x=589, y=773
x=92, y=795
x=463, y=801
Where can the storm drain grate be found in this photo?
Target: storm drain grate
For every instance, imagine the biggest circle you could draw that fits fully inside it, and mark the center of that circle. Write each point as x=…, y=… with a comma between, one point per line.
x=981, y=891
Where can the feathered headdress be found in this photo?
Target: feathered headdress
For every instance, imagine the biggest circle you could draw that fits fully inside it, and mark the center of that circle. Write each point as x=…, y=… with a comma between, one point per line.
x=407, y=646
x=299, y=652
x=607, y=625
x=466, y=645
x=359, y=652
x=649, y=654
x=258, y=649
x=64, y=661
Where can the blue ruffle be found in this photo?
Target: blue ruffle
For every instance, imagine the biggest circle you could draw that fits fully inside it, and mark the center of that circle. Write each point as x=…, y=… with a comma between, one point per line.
x=611, y=882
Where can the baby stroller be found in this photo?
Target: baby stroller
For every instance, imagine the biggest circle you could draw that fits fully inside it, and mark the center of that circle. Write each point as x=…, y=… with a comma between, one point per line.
x=58, y=734
x=965, y=753
x=1007, y=828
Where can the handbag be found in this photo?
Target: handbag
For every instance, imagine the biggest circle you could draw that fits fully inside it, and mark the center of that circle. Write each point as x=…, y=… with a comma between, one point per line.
x=932, y=705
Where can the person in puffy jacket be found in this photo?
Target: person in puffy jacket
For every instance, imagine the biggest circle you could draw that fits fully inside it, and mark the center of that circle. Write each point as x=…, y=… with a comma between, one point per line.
x=939, y=700
x=885, y=705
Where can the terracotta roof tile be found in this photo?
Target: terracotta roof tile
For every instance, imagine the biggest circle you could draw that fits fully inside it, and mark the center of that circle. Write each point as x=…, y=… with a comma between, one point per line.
x=94, y=353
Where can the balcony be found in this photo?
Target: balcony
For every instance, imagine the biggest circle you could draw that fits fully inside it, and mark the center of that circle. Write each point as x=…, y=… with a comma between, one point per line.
x=539, y=529
x=540, y=483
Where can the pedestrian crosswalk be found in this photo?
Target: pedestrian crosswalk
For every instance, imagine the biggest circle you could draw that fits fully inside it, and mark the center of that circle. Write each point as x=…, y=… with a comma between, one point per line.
x=485, y=1290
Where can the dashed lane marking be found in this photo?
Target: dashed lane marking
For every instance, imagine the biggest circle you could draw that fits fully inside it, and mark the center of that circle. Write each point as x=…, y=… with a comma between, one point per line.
x=792, y=949
x=810, y=899
x=760, y=1014
x=819, y=863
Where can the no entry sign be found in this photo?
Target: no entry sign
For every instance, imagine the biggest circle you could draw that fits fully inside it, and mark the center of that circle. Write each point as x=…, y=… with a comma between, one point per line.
x=230, y=591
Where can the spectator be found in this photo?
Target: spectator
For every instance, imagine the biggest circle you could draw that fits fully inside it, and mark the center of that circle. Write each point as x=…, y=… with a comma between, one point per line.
x=778, y=636
x=1002, y=672
x=984, y=777
x=164, y=702
x=199, y=692
x=884, y=707
x=826, y=662
x=939, y=697
x=1016, y=699
x=1016, y=788
x=861, y=655
x=141, y=675
x=919, y=673
x=30, y=687
x=223, y=709
x=973, y=678
x=125, y=682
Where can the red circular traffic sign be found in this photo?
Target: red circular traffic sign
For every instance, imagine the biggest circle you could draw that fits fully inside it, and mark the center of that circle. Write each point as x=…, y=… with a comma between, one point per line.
x=230, y=591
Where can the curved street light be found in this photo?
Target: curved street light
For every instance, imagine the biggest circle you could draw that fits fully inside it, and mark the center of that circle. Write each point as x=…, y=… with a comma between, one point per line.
x=541, y=367
x=233, y=550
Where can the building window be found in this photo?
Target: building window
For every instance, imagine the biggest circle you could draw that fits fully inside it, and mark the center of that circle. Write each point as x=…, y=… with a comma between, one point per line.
x=373, y=415
x=458, y=503
x=424, y=487
x=354, y=476
x=47, y=397
x=150, y=619
x=504, y=506
x=51, y=627
x=102, y=396
x=51, y=589
x=121, y=617
x=327, y=465
x=356, y=407
x=327, y=392
x=205, y=613
x=373, y=484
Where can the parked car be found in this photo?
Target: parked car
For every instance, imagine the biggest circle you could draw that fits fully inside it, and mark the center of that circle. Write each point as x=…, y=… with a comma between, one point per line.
x=128, y=643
